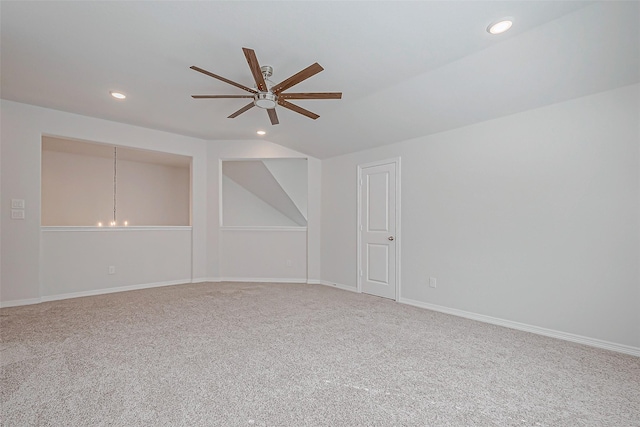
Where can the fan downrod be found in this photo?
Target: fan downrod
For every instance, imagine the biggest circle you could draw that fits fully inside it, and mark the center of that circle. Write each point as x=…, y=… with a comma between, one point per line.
x=267, y=71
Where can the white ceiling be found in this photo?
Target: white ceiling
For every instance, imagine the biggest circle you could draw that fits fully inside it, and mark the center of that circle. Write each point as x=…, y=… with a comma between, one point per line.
x=406, y=69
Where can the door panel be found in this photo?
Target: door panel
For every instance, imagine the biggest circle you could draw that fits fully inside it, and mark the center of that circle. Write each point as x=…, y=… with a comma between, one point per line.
x=377, y=230
x=378, y=263
x=377, y=192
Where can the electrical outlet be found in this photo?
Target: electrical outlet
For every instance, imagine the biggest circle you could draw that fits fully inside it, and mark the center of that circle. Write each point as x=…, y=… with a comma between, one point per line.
x=432, y=282
x=289, y=263
x=112, y=269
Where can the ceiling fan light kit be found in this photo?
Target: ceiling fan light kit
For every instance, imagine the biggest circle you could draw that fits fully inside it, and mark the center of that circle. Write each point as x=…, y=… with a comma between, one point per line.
x=265, y=94
x=265, y=100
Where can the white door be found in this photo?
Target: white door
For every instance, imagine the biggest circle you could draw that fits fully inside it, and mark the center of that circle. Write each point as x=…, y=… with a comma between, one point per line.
x=377, y=223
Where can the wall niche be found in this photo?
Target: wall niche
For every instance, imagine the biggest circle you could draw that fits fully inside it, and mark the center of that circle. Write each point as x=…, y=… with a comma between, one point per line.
x=101, y=185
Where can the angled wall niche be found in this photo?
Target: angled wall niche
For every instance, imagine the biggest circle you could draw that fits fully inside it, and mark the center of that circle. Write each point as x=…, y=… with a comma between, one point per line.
x=92, y=184
x=264, y=193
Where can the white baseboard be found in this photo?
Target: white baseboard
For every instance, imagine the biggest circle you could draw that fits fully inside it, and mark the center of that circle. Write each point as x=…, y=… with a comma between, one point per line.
x=205, y=279
x=592, y=342
x=19, y=302
x=94, y=292
x=263, y=279
x=112, y=290
x=338, y=285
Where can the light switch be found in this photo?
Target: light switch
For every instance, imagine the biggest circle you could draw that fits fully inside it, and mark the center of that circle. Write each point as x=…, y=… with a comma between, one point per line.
x=17, y=214
x=17, y=204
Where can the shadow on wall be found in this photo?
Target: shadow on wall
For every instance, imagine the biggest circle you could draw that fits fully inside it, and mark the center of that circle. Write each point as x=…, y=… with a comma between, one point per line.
x=269, y=192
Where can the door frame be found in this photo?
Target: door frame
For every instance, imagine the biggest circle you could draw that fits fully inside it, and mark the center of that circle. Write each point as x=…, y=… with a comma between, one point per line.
x=396, y=161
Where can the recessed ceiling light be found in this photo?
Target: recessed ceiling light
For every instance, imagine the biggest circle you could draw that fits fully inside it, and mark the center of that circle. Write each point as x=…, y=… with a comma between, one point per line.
x=118, y=95
x=500, y=26
x=261, y=132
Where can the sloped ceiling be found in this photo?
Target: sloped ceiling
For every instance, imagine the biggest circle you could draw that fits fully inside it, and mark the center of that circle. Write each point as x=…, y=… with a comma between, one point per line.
x=406, y=69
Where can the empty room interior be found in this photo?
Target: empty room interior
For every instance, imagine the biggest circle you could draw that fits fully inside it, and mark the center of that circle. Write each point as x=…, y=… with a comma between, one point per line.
x=434, y=222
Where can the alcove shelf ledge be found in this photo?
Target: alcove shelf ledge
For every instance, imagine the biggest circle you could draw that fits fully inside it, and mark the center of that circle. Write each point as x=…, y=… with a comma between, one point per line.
x=108, y=228
x=261, y=228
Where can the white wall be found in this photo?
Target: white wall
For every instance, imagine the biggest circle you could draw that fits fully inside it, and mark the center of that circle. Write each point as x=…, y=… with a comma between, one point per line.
x=22, y=129
x=533, y=218
x=263, y=255
x=139, y=256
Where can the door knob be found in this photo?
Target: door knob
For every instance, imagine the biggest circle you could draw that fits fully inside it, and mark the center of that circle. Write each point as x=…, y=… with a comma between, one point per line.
x=391, y=238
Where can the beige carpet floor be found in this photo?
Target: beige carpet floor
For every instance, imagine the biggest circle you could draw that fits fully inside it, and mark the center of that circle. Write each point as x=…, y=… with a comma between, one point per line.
x=247, y=354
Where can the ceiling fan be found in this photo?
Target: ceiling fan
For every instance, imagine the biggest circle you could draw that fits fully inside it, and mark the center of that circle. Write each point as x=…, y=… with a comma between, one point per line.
x=266, y=94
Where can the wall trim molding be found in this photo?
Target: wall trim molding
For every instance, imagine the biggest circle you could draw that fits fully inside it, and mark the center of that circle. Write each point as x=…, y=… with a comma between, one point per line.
x=592, y=342
x=338, y=286
x=204, y=279
x=262, y=228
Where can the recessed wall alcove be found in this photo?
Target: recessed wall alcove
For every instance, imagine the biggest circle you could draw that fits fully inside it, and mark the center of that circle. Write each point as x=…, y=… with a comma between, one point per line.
x=263, y=219
x=92, y=184
x=122, y=215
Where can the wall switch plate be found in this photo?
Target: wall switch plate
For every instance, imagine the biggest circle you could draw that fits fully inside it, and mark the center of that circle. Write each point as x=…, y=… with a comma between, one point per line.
x=112, y=269
x=432, y=282
x=17, y=203
x=17, y=214
x=289, y=263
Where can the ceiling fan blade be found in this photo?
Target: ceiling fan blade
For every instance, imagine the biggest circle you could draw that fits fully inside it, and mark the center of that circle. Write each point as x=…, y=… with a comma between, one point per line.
x=311, y=70
x=252, y=60
x=312, y=95
x=297, y=109
x=220, y=96
x=240, y=111
x=273, y=116
x=215, y=76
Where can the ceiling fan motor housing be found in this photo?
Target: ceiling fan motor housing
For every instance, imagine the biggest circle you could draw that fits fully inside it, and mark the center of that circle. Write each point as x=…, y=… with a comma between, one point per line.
x=266, y=100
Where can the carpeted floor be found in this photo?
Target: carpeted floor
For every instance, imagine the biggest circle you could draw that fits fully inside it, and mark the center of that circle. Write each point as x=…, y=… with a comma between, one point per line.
x=239, y=354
